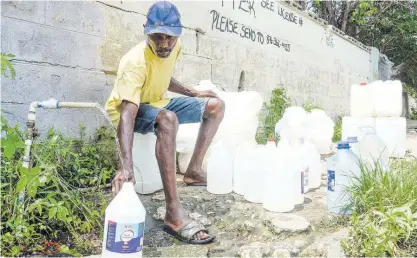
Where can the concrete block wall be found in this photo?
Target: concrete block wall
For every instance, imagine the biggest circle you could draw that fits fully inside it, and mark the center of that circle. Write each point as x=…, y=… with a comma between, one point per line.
x=70, y=51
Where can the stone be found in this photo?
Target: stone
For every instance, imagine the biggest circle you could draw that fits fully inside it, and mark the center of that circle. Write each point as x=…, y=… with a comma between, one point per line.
x=196, y=216
x=281, y=253
x=158, y=197
x=160, y=213
x=249, y=226
x=280, y=223
x=254, y=250
x=184, y=251
x=327, y=244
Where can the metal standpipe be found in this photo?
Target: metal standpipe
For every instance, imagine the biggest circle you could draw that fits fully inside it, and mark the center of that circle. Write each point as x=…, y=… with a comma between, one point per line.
x=48, y=104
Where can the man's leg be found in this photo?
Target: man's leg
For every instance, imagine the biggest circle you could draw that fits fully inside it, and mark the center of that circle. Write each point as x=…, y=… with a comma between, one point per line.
x=212, y=117
x=167, y=127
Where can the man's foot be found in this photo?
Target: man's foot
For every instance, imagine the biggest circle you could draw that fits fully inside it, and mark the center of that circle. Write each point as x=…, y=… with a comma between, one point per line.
x=183, y=227
x=195, y=177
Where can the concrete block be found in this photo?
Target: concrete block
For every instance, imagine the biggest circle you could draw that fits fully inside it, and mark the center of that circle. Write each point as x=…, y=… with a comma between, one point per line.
x=111, y=51
x=189, y=41
x=81, y=16
x=204, y=43
x=33, y=11
x=225, y=75
x=36, y=83
x=32, y=42
x=190, y=70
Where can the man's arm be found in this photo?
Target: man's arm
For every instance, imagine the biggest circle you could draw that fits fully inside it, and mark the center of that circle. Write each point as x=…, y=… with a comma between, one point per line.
x=176, y=86
x=125, y=132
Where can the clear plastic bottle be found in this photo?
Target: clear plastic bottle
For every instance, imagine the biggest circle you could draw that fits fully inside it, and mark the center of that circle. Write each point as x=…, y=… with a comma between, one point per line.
x=255, y=176
x=372, y=150
x=341, y=169
x=242, y=167
x=219, y=170
x=124, y=225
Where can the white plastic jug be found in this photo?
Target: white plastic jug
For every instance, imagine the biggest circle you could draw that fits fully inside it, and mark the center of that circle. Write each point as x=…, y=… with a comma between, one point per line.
x=319, y=129
x=314, y=173
x=361, y=100
x=342, y=168
x=393, y=132
x=184, y=160
x=278, y=181
x=388, y=99
x=354, y=145
x=146, y=169
x=124, y=225
x=291, y=145
x=372, y=150
x=351, y=126
x=243, y=166
x=255, y=175
x=219, y=170
x=293, y=116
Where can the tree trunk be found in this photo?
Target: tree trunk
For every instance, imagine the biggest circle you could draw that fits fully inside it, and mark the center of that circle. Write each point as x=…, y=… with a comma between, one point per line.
x=345, y=16
x=330, y=10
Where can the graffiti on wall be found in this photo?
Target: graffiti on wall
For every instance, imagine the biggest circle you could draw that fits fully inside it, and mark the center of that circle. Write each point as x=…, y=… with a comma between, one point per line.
x=328, y=39
x=224, y=24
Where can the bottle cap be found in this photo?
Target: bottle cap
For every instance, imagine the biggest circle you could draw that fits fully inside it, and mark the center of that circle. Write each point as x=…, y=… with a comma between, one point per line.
x=343, y=145
x=352, y=139
x=362, y=84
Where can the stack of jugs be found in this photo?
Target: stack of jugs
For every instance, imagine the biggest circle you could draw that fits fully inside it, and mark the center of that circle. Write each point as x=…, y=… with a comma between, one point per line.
x=377, y=105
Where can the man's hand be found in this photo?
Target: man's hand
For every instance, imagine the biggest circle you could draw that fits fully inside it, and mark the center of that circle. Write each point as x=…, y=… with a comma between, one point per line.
x=121, y=177
x=204, y=94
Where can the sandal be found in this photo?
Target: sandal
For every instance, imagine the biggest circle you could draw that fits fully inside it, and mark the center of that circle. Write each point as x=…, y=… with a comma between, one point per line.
x=187, y=233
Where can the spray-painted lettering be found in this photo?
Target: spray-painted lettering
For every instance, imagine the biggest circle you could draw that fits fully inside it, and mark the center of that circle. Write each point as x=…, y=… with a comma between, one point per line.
x=269, y=5
x=227, y=25
x=247, y=6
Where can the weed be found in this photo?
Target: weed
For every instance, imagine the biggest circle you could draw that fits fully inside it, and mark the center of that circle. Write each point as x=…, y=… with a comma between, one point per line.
x=55, y=209
x=278, y=103
x=308, y=106
x=337, y=135
x=384, y=205
x=7, y=65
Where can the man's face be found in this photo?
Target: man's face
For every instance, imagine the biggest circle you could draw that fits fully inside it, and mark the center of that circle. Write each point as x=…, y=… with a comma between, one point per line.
x=162, y=44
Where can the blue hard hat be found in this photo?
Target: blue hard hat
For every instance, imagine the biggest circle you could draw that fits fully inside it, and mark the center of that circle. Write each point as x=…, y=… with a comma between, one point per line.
x=163, y=17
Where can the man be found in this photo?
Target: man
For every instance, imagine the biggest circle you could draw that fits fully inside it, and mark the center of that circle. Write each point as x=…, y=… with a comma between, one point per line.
x=138, y=103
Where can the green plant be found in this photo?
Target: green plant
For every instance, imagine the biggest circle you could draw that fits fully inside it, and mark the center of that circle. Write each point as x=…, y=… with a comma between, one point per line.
x=384, y=205
x=278, y=103
x=7, y=65
x=62, y=202
x=308, y=106
x=337, y=134
x=412, y=92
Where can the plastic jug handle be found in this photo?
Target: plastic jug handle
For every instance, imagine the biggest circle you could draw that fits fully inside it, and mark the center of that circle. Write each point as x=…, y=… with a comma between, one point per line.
x=367, y=129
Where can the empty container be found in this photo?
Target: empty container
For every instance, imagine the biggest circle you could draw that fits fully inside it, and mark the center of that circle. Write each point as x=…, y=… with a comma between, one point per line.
x=314, y=172
x=392, y=131
x=341, y=169
x=255, y=176
x=219, y=170
x=145, y=166
x=278, y=181
x=361, y=100
x=351, y=126
x=372, y=150
x=388, y=99
x=243, y=165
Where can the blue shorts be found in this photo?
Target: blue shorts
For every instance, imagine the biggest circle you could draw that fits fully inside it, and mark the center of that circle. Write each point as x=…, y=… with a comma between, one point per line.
x=187, y=109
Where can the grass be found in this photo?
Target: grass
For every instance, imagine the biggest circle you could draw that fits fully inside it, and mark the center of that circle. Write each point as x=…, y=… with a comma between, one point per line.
x=384, y=205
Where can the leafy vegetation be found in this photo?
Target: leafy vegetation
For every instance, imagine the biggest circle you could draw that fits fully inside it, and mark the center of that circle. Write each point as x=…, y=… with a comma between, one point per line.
x=412, y=92
x=384, y=205
x=63, y=210
x=308, y=106
x=337, y=134
x=390, y=26
x=275, y=109
x=6, y=65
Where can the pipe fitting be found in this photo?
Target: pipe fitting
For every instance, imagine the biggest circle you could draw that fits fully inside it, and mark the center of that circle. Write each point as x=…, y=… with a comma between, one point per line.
x=49, y=104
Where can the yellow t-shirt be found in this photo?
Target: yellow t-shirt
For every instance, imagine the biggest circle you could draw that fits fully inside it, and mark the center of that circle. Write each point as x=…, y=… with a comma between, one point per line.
x=142, y=77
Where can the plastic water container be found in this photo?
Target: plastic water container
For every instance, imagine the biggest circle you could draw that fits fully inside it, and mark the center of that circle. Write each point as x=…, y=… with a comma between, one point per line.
x=351, y=126
x=292, y=147
x=256, y=172
x=372, y=150
x=392, y=131
x=319, y=129
x=314, y=174
x=219, y=170
x=278, y=181
x=146, y=169
x=354, y=145
x=242, y=167
x=340, y=170
x=184, y=160
x=388, y=99
x=124, y=225
x=361, y=100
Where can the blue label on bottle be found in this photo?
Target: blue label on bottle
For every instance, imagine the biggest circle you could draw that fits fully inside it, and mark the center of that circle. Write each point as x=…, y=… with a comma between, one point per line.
x=331, y=183
x=124, y=237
